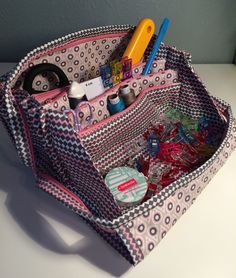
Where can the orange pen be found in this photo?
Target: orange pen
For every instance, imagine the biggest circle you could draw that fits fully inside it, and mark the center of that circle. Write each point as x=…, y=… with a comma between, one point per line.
x=140, y=40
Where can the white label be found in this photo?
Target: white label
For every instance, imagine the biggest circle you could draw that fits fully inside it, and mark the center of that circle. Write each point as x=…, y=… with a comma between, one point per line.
x=93, y=87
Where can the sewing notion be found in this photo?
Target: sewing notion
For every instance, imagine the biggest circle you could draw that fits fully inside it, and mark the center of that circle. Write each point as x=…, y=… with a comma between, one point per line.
x=156, y=46
x=127, y=185
x=140, y=40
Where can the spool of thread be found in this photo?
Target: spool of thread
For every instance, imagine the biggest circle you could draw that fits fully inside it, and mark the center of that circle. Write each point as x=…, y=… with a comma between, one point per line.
x=115, y=104
x=76, y=94
x=127, y=94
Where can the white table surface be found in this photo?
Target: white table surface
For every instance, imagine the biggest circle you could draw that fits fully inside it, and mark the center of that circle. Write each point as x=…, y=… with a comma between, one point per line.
x=39, y=238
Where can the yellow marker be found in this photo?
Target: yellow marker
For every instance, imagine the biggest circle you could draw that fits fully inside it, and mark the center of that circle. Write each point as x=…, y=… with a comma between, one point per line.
x=140, y=40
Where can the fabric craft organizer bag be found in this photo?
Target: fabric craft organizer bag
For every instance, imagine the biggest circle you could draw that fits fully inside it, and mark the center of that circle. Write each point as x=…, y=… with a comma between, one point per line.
x=68, y=164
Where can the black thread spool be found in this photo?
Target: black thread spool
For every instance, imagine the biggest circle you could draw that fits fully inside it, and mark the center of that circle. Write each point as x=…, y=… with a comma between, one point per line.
x=127, y=94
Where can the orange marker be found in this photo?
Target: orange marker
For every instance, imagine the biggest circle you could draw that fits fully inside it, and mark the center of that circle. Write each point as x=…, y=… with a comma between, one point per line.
x=140, y=40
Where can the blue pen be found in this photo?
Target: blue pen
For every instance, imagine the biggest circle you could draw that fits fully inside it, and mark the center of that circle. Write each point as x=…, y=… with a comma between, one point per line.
x=157, y=44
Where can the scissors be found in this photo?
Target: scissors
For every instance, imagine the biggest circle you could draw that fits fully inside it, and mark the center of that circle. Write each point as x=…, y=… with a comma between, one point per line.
x=75, y=113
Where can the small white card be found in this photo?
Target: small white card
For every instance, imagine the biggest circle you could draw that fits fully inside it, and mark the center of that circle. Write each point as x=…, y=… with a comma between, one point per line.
x=93, y=87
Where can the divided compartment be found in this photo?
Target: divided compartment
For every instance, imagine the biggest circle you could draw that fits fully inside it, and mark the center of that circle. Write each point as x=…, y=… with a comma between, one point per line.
x=138, y=116
x=57, y=99
x=138, y=84
x=108, y=142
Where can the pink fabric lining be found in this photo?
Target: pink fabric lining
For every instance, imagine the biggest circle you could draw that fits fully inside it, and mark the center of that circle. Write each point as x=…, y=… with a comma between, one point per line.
x=84, y=40
x=62, y=51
